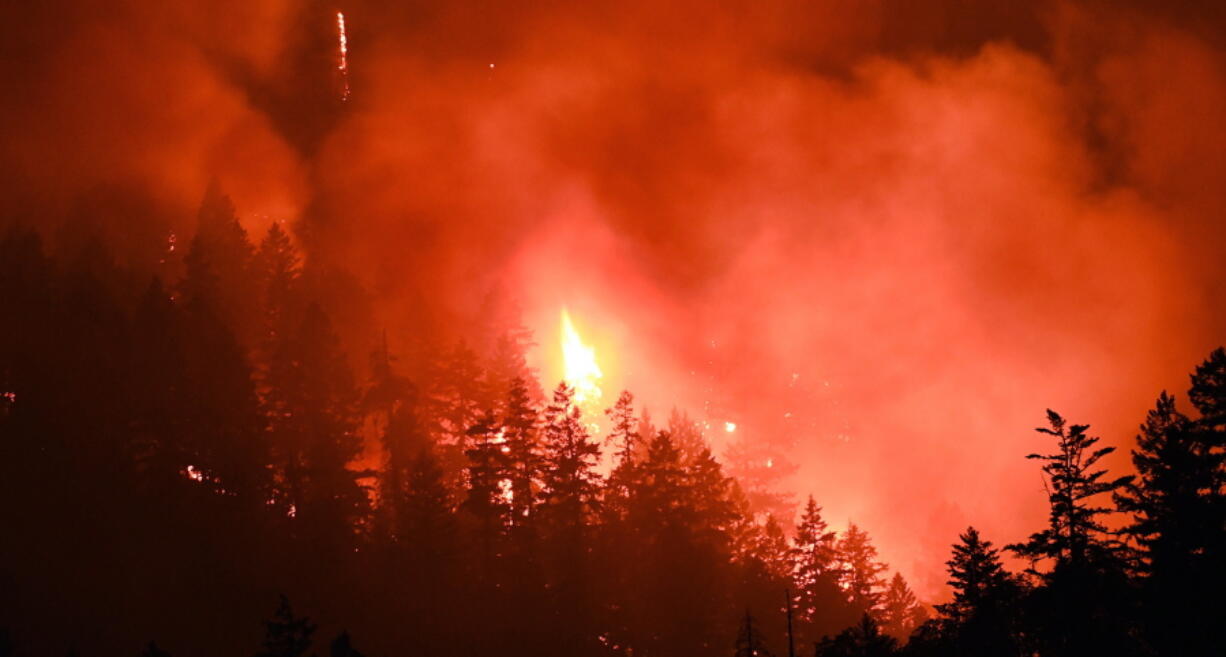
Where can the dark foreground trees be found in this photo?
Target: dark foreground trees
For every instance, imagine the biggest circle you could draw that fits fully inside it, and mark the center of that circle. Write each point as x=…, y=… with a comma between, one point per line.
x=175, y=453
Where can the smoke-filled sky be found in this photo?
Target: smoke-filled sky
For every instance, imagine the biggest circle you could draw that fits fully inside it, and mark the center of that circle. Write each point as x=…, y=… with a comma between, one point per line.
x=886, y=234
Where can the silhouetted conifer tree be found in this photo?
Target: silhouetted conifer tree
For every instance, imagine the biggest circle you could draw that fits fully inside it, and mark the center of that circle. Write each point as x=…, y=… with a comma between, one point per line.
x=485, y=500
x=1076, y=536
x=821, y=604
x=1084, y=606
x=225, y=428
x=314, y=408
x=1176, y=503
x=860, y=571
x=220, y=268
x=342, y=647
x=863, y=639
x=279, y=275
x=459, y=395
x=569, y=487
x=623, y=434
x=901, y=613
x=523, y=453
x=286, y=635
x=980, y=620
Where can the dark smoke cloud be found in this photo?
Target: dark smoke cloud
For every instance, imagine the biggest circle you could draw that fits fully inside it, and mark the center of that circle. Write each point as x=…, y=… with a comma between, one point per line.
x=911, y=225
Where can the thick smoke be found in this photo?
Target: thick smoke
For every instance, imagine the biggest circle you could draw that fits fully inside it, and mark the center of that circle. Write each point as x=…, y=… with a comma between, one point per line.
x=886, y=235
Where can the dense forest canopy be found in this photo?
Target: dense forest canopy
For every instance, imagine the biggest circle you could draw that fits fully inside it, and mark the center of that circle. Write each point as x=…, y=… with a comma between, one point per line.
x=178, y=453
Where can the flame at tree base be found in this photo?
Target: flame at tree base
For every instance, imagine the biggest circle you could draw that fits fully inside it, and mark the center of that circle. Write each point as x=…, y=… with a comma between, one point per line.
x=580, y=370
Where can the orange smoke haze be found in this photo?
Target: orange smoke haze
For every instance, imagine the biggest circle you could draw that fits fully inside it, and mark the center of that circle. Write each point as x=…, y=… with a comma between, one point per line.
x=884, y=238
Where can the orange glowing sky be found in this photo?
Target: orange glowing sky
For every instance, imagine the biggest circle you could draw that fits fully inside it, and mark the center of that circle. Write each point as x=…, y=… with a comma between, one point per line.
x=887, y=236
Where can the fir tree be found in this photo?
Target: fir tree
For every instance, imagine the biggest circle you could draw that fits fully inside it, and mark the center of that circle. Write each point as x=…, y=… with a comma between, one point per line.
x=314, y=408
x=522, y=451
x=225, y=428
x=220, y=266
x=623, y=434
x=863, y=639
x=901, y=612
x=569, y=487
x=279, y=274
x=979, y=619
x=286, y=635
x=343, y=647
x=1175, y=503
x=820, y=601
x=569, y=477
x=1084, y=605
x=860, y=570
x=1076, y=536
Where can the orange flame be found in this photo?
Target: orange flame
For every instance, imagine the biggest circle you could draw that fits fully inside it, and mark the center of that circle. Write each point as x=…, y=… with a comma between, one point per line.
x=579, y=360
x=343, y=64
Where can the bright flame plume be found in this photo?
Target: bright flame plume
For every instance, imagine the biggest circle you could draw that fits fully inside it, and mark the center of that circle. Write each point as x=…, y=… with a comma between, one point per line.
x=343, y=64
x=581, y=371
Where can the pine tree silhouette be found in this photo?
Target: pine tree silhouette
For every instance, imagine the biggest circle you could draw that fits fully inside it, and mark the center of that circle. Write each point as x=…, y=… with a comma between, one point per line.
x=860, y=570
x=980, y=620
x=286, y=635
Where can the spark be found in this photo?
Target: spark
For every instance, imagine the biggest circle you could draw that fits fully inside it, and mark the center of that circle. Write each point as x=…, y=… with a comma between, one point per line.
x=581, y=370
x=506, y=491
x=730, y=427
x=343, y=65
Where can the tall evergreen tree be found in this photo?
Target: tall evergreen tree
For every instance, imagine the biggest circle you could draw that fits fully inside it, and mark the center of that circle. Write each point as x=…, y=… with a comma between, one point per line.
x=404, y=441
x=569, y=487
x=569, y=478
x=1176, y=506
x=1076, y=535
x=522, y=451
x=278, y=271
x=314, y=409
x=286, y=635
x=623, y=434
x=1083, y=605
x=342, y=646
x=1208, y=392
x=159, y=398
x=224, y=425
x=458, y=396
x=220, y=266
x=485, y=500
x=860, y=570
x=821, y=604
x=979, y=620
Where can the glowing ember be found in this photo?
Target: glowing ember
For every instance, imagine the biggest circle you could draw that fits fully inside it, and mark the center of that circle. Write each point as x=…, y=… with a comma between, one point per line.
x=581, y=371
x=343, y=64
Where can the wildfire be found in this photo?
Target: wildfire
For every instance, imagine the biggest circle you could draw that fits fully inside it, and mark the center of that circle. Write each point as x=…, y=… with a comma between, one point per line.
x=581, y=371
x=343, y=64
